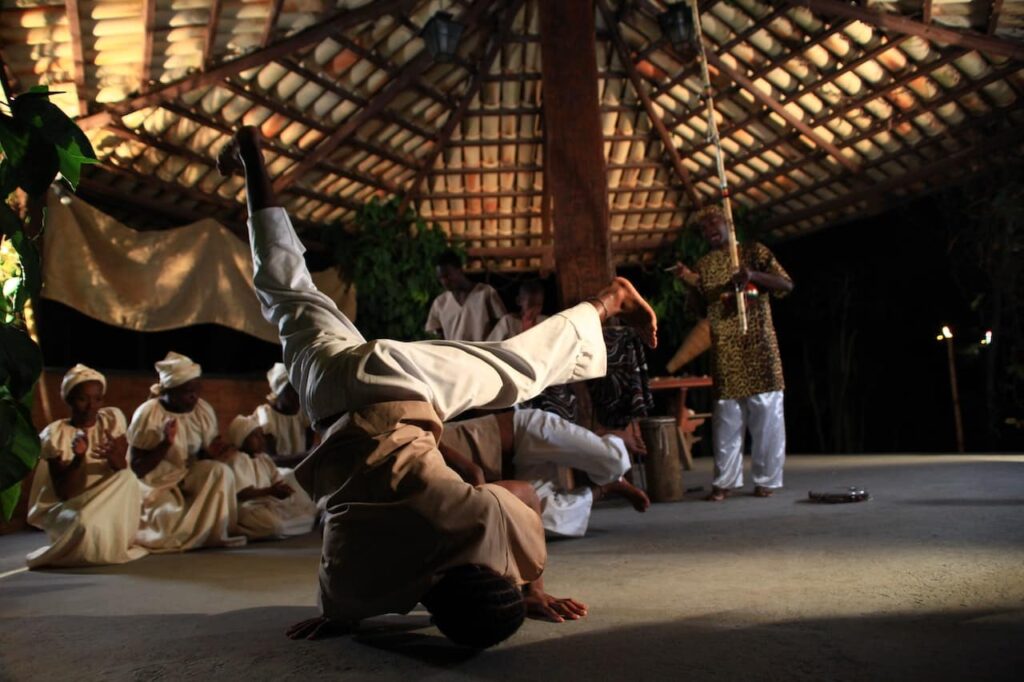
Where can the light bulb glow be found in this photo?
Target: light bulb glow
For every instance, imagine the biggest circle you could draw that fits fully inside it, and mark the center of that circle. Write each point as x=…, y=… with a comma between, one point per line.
x=947, y=333
x=987, y=341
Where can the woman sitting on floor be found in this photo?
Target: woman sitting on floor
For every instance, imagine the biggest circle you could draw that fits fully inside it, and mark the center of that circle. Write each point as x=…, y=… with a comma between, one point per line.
x=269, y=506
x=286, y=427
x=189, y=492
x=83, y=494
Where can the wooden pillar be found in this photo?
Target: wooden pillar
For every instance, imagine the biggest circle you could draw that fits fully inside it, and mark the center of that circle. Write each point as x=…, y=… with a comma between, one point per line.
x=574, y=166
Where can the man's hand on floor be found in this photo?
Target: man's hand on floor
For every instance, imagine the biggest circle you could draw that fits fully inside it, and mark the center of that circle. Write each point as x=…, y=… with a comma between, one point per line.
x=542, y=606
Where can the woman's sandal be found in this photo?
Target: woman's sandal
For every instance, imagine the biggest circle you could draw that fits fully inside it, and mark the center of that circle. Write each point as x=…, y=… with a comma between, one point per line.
x=761, y=491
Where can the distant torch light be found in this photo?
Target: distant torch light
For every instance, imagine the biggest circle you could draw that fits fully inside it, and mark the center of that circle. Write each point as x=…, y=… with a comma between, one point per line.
x=676, y=24
x=947, y=333
x=442, y=35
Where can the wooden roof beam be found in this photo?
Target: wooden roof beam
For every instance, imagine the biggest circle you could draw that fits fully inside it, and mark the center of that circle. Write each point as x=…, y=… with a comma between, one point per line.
x=271, y=23
x=72, y=9
x=410, y=71
x=148, y=36
x=926, y=12
x=900, y=24
x=842, y=109
x=645, y=99
x=772, y=103
x=210, y=40
x=951, y=131
x=298, y=117
x=387, y=116
x=455, y=117
x=948, y=163
x=993, y=16
x=314, y=34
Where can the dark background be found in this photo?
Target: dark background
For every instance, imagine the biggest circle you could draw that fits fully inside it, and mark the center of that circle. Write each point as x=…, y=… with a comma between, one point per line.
x=864, y=371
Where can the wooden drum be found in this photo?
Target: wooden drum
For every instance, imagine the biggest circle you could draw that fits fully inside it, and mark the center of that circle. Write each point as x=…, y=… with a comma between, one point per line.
x=664, y=470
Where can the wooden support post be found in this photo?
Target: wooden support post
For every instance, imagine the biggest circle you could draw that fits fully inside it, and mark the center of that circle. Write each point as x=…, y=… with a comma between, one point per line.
x=78, y=53
x=574, y=169
x=958, y=421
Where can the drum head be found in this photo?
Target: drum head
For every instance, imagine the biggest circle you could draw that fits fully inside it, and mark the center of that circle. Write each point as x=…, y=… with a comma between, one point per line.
x=851, y=493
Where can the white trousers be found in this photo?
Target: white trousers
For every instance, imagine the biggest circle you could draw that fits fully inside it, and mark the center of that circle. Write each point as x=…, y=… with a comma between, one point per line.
x=544, y=442
x=335, y=370
x=762, y=415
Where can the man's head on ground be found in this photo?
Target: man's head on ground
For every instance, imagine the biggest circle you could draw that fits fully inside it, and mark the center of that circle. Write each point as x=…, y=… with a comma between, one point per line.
x=530, y=296
x=449, y=271
x=476, y=607
x=713, y=226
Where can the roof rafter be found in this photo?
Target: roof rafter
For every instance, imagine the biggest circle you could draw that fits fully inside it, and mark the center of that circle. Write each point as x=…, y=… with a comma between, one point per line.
x=645, y=99
x=210, y=40
x=78, y=53
x=901, y=24
x=455, y=117
x=410, y=71
x=946, y=163
x=272, y=17
x=772, y=103
x=320, y=31
x=148, y=35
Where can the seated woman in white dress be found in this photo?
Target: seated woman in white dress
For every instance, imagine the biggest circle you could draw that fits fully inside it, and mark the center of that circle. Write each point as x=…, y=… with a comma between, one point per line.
x=268, y=505
x=286, y=428
x=189, y=492
x=83, y=494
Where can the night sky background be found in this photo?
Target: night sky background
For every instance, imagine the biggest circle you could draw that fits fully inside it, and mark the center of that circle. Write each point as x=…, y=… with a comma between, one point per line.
x=863, y=368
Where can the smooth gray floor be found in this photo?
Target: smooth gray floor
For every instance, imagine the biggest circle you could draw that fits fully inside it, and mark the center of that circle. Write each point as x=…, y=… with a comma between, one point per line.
x=926, y=581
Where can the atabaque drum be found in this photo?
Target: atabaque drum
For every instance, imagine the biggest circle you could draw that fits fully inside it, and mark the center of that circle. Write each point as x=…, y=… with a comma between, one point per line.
x=664, y=469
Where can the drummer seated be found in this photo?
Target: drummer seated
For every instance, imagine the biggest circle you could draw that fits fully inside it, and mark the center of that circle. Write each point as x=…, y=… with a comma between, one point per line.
x=530, y=445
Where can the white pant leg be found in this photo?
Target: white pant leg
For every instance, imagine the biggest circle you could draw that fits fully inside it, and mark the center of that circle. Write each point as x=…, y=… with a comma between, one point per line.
x=565, y=514
x=728, y=426
x=544, y=438
x=335, y=370
x=767, y=424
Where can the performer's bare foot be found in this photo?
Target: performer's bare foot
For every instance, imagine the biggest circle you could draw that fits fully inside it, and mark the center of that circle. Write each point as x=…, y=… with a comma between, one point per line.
x=621, y=299
x=317, y=628
x=638, y=498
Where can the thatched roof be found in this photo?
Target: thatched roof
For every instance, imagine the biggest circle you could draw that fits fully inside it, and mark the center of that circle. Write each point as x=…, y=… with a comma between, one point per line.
x=828, y=110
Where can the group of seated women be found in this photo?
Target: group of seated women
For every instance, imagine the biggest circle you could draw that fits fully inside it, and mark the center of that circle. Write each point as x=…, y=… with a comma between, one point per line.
x=107, y=491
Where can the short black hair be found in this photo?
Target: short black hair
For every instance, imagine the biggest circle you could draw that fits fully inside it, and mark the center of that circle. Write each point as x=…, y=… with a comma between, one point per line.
x=450, y=258
x=475, y=606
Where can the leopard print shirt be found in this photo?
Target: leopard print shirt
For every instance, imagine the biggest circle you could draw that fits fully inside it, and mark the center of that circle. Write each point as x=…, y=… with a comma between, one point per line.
x=742, y=365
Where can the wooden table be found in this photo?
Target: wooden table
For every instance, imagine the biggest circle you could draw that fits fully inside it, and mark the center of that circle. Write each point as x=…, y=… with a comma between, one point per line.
x=677, y=405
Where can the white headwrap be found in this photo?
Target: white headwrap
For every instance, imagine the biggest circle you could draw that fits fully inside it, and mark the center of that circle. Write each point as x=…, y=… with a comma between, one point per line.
x=175, y=370
x=79, y=374
x=277, y=377
x=240, y=428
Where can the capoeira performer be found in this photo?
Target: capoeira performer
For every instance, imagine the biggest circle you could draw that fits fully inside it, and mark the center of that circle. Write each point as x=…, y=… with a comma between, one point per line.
x=529, y=445
x=401, y=527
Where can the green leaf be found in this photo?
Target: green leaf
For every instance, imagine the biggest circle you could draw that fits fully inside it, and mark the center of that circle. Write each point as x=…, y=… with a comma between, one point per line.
x=13, y=140
x=71, y=160
x=11, y=287
x=10, y=223
x=40, y=167
x=9, y=500
x=31, y=269
x=19, y=454
x=21, y=359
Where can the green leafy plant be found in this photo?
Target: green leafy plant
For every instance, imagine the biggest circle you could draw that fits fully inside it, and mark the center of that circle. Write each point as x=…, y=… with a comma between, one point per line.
x=390, y=258
x=39, y=144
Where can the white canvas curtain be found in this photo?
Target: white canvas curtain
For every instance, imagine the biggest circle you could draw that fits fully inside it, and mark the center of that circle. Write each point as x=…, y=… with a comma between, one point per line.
x=152, y=281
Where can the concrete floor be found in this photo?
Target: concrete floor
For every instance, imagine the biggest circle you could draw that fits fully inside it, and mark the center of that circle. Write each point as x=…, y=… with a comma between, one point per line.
x=926, y=581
